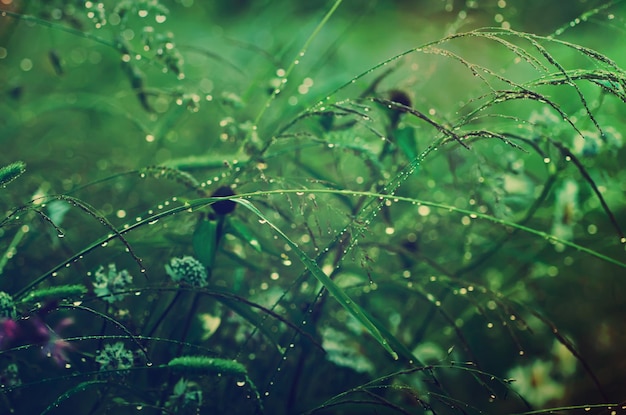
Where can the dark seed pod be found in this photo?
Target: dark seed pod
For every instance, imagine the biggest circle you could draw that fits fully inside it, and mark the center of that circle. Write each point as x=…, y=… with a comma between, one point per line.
x=223, y=207
x=400, y=97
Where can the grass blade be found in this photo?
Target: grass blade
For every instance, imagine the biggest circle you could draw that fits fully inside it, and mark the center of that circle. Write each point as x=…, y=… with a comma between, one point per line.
x=340, y=295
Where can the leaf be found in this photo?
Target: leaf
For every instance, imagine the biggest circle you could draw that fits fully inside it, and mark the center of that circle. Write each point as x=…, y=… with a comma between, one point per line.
x=205, y=242
x=405, y=138
x=340, y=295
x=254, y=319
x=239, y=229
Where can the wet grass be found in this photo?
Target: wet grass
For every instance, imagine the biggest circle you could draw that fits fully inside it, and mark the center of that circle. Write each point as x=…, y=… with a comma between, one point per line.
x=245, y=220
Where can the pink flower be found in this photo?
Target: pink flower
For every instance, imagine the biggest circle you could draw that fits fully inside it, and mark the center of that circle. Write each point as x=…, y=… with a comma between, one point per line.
x=33, y=330
x=55, y=346
x=8, y=331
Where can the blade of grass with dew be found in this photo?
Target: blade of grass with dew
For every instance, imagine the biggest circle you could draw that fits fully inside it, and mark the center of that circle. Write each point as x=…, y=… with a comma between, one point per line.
x=293, y=64
x=205, y=161
x=254, y=319
x=450, y=208
x=71, y=392
x=340, y=295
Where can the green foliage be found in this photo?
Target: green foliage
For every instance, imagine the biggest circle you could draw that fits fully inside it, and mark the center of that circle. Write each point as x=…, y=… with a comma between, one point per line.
x=115, y=357
x=11, y=172
x=333, y=212
x=7, y=306
x=187, y=270
x=58, y=292
x=207, y=364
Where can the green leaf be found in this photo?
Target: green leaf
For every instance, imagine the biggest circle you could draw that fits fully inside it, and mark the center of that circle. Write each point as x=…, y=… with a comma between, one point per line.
x=340, y=295
x=253, y=318
x=405, y=138
x=239, y=229
x=205, y=242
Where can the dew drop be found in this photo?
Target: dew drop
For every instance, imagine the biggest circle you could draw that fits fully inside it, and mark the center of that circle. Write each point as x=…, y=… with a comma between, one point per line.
x=241, y=383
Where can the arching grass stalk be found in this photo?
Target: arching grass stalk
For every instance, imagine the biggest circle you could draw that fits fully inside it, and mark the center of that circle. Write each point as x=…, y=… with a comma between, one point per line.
x=110, y=319
x=443, y=206
x=310, y=264
x=340, y=295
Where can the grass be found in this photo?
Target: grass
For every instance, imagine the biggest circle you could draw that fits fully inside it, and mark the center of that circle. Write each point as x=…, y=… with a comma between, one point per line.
x=312, y=219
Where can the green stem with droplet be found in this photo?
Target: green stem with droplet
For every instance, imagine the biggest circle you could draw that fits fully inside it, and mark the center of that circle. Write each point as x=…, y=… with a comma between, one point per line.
x=293, y=64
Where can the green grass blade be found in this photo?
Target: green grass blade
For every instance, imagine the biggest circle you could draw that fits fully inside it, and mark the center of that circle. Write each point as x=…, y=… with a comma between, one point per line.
x=472, y=214
x=340, y=295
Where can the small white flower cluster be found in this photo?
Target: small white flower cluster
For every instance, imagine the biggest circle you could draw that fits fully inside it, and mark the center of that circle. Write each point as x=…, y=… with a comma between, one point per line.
x=543, y=381
x=7, y=306
x=186, y=397
x=115, y=357
x=109, y=284
x=187, y=270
